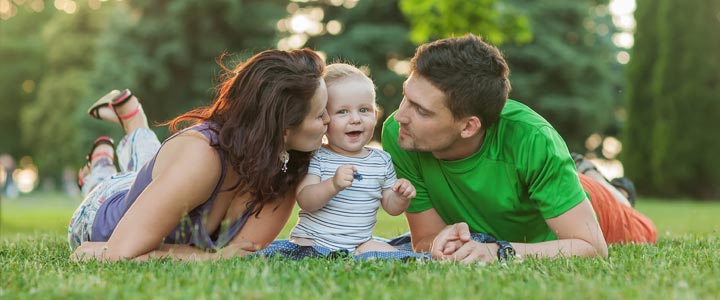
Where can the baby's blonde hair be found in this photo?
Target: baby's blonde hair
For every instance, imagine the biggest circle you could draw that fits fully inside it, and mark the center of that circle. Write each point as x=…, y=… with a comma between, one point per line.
x=340, y=72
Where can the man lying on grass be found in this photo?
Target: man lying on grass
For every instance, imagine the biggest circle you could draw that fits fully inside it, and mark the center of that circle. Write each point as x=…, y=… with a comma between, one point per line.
x=483, y=163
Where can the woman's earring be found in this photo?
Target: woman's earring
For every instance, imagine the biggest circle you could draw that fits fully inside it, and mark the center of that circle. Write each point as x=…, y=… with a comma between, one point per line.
x=284, y=158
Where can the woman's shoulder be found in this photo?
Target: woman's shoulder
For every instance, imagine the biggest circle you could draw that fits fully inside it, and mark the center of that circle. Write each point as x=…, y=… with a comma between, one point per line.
x=190, y=150
x=207, y=129
x=192, y=142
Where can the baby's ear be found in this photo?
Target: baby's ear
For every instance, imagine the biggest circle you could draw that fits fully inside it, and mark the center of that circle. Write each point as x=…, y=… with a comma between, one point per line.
x=376, y=109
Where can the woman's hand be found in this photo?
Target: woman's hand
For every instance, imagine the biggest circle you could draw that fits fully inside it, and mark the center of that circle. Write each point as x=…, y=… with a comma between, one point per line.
x=96, y=250
x=88, y=251
x=239, y=249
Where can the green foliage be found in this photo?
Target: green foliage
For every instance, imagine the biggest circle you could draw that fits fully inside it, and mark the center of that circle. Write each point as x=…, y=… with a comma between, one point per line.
x=568, y=73
x=166, y=52
x=50, y=124
x=637, y=134
x=685, y=84
x=497, y=21
x=22, y=52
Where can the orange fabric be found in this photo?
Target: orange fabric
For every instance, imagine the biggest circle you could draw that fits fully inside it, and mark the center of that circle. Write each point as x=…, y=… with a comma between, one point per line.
x=619, y=223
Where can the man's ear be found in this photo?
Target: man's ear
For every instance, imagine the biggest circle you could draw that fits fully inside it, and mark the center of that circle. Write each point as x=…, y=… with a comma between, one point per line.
x=471, y=127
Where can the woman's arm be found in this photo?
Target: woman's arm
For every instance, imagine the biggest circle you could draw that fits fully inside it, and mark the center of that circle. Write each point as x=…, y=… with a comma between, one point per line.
x=186, y=171
x=424, y=227
x=262, y=229
x=96, y=250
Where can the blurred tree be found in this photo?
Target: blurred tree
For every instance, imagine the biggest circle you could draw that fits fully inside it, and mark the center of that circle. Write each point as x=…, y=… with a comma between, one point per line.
x=568, y=73
x=49, y=124
x=497, y=21
x=686, y=84
x=23, y=56
x=165, y=51
x=637, y=134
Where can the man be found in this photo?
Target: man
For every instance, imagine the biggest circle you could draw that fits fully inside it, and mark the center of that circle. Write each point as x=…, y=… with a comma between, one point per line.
x=483, y=163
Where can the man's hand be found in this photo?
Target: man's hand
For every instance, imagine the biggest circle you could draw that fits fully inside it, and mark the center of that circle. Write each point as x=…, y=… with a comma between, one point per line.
x=451, y=238
x=473, y=251
x=343, y=177
x=454, y=243
x=404, y=190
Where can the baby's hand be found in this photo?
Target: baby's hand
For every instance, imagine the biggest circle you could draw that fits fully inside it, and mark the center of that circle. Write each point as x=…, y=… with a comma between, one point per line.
x=404, y=189
x=343, y=177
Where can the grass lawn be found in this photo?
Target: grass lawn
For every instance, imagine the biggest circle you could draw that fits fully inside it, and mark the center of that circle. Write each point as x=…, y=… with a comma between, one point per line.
x=683, y=265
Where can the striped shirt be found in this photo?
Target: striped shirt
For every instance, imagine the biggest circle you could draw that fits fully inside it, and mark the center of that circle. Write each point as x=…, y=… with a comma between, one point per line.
x=348, y=219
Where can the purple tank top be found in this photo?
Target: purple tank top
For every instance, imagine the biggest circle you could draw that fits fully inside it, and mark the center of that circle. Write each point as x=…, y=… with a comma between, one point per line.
x=192, y=229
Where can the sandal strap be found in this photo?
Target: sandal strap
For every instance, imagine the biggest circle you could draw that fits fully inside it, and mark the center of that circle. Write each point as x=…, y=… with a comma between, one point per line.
x=120, y=100
x=101, y=154
x=103, y=140
x=99, y=141
x=130, y=114
x=80, y=180
x=111, y=100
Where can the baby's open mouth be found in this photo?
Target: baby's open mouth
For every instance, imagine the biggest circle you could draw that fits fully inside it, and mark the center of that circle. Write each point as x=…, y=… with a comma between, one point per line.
x=353, y=134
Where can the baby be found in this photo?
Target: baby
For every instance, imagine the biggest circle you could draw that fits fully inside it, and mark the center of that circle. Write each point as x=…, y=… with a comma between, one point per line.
x=346, y=181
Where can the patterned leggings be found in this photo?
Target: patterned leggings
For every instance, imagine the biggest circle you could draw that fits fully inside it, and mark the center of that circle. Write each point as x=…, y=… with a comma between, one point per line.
x=103, y=180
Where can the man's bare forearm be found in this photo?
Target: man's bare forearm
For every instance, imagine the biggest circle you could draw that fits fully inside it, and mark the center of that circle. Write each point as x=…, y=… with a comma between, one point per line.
x=422, y=245
x=558, y=248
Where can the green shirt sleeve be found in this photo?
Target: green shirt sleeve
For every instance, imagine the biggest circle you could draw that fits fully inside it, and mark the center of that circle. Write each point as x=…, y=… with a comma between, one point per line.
x=406, y=165
x=550, y=173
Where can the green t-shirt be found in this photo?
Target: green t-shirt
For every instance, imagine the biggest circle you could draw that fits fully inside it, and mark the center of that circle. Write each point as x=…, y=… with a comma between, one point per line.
x=521, y=175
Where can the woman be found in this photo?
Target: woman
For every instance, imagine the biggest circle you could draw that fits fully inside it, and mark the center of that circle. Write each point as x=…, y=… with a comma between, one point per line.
x=226, y=183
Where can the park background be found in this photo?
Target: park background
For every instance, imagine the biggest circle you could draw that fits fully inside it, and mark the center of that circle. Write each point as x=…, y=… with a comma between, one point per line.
x=618, y=80
x=634, y=85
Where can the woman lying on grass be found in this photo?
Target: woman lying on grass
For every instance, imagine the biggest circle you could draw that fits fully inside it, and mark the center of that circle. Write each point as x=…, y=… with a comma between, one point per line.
x=223, y=187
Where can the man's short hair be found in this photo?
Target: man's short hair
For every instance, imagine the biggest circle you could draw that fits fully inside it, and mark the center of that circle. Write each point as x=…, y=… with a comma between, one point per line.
x=472, y=73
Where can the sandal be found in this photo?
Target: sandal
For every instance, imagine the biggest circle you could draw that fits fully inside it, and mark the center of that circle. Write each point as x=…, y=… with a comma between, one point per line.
x=628, y=186
x=112, y=100
x=581, y=164
x=89, y=158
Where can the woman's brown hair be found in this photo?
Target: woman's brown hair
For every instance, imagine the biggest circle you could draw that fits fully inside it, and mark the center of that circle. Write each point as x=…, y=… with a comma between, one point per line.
x=254, y=105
